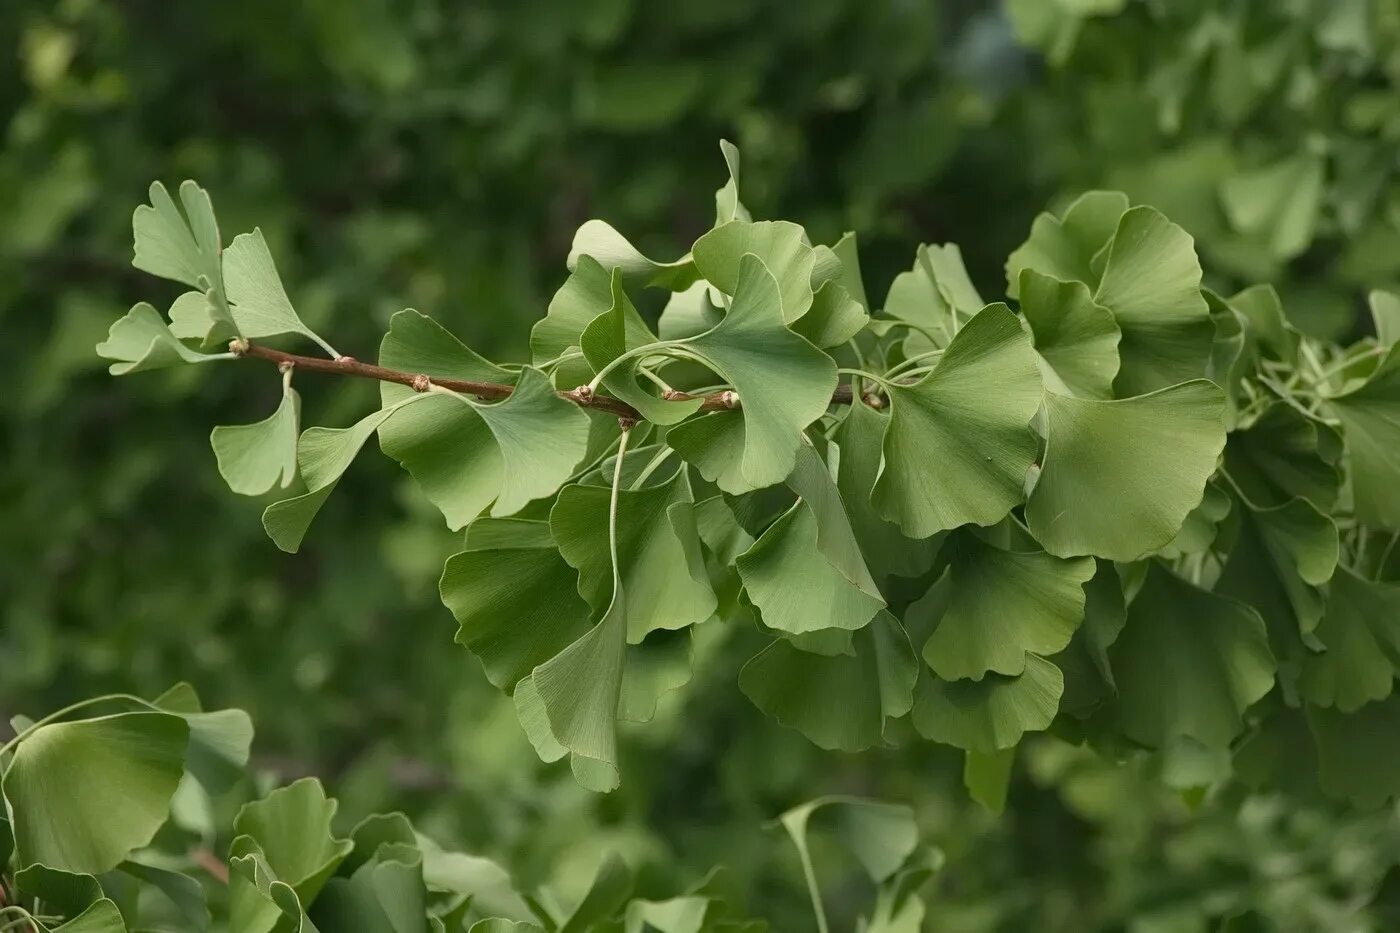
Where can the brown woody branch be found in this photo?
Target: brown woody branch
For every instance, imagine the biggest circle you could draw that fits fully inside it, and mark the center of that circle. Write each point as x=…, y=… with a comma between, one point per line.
x=487, y=391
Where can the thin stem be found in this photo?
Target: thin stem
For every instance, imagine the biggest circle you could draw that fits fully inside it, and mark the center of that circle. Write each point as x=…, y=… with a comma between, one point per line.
x=1385, y=555
x=330, y=350
x=655, y=379
x=653, y=349
x=660, y=458
x=865, y=375
x=915, y=327
x=81, y=704
x=612, y=502
x=810, y=874
x=918, y=357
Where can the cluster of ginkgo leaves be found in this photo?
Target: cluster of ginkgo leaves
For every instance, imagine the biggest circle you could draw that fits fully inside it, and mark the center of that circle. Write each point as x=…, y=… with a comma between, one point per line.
x=1149, y=517
x=110, y=824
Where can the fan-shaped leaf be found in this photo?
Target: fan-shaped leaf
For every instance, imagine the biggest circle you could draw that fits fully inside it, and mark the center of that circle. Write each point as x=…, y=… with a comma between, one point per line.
x=613, y=251
x=1360, y=631
x=1072, y=248
x=254, y=458
x=991, y=714
x=292, y=829
x=183, y=247
x=1077, y=340
x=781, y=246
x=1370, y=416
x=140, y=341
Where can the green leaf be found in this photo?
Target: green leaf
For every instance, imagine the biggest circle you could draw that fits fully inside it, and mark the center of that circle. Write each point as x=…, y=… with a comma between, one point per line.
x=323, y=454
x=292, y=828
x=1361, y=642
x=585, y=294
x=727, y=204
x=612, y=334
x=783, y=382
x=386, y=894
x=781, y=246
x=1385, y=315
x=877, y=683
x=1370, y=416
x=1084, y=662
x=1277, y=559
x=970, y=416
x=184, y=893
x=1077, y=340
x=63, y=818
x=255, y=458
x=988, y=777
x=517, y=604
x=467, y=455
x=1188, y=663
x=881, y=836
x=805, y=572
x=886, y=550
x=658, y=548
x=688, y=313
x=1279, y=203
x=140, y=341
x=184, y=247
x=1071, y=248
x=258, y=901
x=1152, y=284
x=1357, y=759
x=834, y=318
x=612, y=251
x=219, y=740
x=847, y=252
x=991, y=714
x=611, y=887
x=102, y=917
x=1002, y=606
x=1285, y=454
x=260, y=303
x=70, y=893
x=1154, y=453
x=935, y=296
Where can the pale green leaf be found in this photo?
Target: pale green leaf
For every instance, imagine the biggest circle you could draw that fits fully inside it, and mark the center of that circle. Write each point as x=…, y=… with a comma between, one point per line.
x=881, y=836
x=183, y=246
x=585, y=294
x=834, y=317
x=728, y=206
x=1120, y=477
x=781, y=246
x=141, y=340
x=613, y=251
x=259, y=302
x=1188, y=663
x=1385, y=315
x=611, y=887
x=255, y=458
x=102, y=917
x=63, y=817
x=258, y=901
x=1068, y=248
x=292, y=828
x=1152, y=284
x=971, y=418
x=877, y=683
x=1279, y=203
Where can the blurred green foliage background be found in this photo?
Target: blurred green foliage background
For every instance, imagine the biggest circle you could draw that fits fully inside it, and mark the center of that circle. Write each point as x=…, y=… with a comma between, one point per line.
x=439, y=155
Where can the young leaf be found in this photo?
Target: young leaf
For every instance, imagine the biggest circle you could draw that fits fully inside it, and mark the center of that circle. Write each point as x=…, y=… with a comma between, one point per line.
x=877, y=683
x=184, y=247
x=1077, y=340
x=141, y=340
x=881, y=836
x=255, y=458
x=783, y=382
x=259, y=302
x=958, y=444
x=258, y=901
x=1188, y=663
x=1072, y=248
x=1152, y=454
x=1003, y=606
x=292, y=829
x=63, y=818
x=781, y=246
x=1152, y=284
x=991, y=714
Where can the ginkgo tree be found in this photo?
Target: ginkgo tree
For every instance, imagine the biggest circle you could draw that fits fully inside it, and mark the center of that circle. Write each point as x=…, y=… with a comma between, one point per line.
x=1120, y=506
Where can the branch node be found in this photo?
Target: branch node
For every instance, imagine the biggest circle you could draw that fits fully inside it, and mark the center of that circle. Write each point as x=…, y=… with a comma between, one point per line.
x=626, y=423
x=873, y=399
x=238, y=346
x=345, y=360
x=584, y=394
x=286, y=366
x=675, y=395
x=422, y=383
x=729, y=398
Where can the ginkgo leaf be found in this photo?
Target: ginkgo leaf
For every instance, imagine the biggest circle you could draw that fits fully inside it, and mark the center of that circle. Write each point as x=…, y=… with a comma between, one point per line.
x=259, y=302
x=1202, y=526
x=1077, y=340
x=184, y=247
x=102, y=917
x=1187, y=663
x=1356, y=758
x=688, y=313
x=727, y=204
x=609, y=890
x=1088, y=675
x=958, y=444
x=259, y=902
x=714, y=445
x=847, y=252
x=1370, y=416
x=935, y=297
x=991, y=714
x=877, y=683
x=1003, y=605
x=805, y=572
x=1152, y=284
x=1276, y=561
x=219, y=741
x=1069, y=248
x=140, y=340
x=658, y=551
x=988, y=777
x=886, y=550
x=323, y=454
x=1285, y=454
x=468, y=455
x=67, y=892
x=1276, y=338
x=1385, y=315
x=62, y=817
x=516, y=602
x=612, y=334
x=613, y=251
x=255, y=458
x=783, y=382
x=1278, y=203
x=1361, y=638
x=386, y=894
x=1120, y=477
x=585, y=294
x=780, y=245
x=882, y=836
x=834, y=317
x=292, y=829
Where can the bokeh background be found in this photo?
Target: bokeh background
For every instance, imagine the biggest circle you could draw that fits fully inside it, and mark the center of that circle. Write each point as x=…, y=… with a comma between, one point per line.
x=438, y=154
